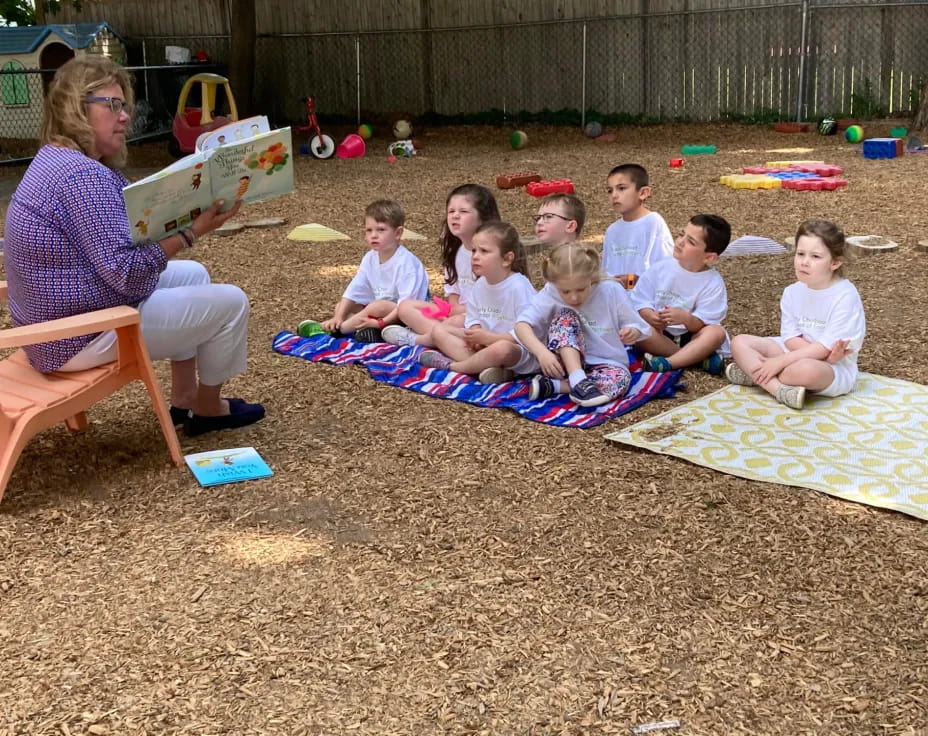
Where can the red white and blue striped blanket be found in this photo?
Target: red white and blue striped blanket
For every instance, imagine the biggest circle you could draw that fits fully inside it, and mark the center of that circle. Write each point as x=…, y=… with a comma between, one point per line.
x=398, y=366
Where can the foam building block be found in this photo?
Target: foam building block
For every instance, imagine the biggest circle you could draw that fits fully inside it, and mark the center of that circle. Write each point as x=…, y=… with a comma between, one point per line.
x=789, y=164
x=520, y=179
x=553, y=186
x=815, y=184
x=314, y=232
x=883, y=147
x=750, y=181
x=696, y=150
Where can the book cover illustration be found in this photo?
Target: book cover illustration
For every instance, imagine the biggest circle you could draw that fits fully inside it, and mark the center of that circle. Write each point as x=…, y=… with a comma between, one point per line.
x=256, y=168
x=227, y=466
x=233, y=132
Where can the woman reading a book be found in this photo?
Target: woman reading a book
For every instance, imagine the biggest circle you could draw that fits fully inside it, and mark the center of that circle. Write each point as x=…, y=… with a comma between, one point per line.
x=69, y=250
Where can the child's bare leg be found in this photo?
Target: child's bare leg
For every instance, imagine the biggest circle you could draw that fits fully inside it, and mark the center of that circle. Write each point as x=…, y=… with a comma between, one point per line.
x=329, y=324
x=658, y=344
x=814, y=375
x=450, y=340
x=749, y=351
x=410, y=313
x=379, y=308
x=500, y=353
x=703, y=344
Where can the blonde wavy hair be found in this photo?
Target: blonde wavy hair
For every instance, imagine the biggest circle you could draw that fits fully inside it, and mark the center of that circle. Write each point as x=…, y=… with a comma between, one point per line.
x=65, y=122
x=572, y=258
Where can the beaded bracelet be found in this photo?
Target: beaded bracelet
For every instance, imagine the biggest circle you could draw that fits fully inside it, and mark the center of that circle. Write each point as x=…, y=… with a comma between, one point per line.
x=189, y=236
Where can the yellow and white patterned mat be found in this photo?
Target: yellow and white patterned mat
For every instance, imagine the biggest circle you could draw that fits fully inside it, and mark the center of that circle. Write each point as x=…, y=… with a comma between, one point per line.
x=870, y=446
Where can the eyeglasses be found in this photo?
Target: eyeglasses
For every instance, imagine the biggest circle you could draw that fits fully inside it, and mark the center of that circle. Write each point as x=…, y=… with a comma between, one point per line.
x=548, y=216
x=115, y=104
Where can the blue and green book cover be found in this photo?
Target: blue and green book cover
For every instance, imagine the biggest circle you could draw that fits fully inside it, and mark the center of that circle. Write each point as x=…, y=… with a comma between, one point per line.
x=227, y=466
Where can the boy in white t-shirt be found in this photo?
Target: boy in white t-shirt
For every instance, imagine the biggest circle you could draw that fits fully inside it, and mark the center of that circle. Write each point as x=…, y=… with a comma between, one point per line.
x=388, y=273
x=640, y=237
x=684, y=301
x=559, y=220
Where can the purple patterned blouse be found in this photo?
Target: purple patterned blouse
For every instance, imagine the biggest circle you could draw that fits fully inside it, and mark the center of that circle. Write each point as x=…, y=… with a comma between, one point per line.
x=68, y=248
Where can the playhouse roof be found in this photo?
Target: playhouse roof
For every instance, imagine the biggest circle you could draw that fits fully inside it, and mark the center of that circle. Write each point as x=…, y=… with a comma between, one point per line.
x=26, y=39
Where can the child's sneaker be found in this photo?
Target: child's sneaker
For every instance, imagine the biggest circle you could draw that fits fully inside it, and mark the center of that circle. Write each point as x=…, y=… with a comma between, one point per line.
x=713, y=365
x=434, y=359
x=495, y=374
x=309, y=328
x=399, y=335
x=542, y=388
x=587, y=393
x=792, y=396
x=367, y=334
x=657, y=364
x=735, y=375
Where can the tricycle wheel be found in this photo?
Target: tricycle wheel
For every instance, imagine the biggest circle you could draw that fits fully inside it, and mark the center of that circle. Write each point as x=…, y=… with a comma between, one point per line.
x=322, y=146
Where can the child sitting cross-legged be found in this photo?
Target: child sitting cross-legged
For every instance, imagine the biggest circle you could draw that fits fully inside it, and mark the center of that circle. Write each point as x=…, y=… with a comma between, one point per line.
x=822, y=326
x=577, y=327
x=388, y=273
x=485, y=346
x=684, y=300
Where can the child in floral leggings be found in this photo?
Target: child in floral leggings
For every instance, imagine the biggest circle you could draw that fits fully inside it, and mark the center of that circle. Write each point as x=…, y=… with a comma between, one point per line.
x=577, y=328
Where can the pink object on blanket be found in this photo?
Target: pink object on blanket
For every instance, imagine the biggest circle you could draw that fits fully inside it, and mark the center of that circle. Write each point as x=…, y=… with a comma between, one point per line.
x=441, y=310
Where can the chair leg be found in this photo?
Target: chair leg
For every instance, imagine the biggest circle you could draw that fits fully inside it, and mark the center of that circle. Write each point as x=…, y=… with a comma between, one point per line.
x=9, y=453
x=147, y=374
x=77, y=423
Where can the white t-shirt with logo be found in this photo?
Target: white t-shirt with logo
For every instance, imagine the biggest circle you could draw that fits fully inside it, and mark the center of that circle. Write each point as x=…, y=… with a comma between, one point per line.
x=701, y=293
x=633, y=247
x=465, y=283
x=496, y=307
x=402, y=277
x=825, y=316
x=607, y=311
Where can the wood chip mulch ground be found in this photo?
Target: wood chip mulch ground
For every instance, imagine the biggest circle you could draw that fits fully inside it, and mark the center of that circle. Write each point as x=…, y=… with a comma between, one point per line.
x=418, y=566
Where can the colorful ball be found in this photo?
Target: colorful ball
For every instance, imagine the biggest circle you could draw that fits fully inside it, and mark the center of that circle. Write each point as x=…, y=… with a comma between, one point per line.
x=593, y=129
x=402, y=129
x=518, y=139
x=365, y=131
x=854, y=134
x=827, y=126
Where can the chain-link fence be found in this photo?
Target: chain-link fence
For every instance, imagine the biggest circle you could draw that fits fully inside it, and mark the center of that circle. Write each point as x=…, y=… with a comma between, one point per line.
x=798, y=59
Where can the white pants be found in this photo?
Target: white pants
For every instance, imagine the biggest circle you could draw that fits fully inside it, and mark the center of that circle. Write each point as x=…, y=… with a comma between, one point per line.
x=186, y=316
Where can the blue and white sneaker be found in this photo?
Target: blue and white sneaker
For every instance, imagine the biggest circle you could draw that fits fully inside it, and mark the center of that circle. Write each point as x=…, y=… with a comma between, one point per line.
x=587, y=393
x=542, y=388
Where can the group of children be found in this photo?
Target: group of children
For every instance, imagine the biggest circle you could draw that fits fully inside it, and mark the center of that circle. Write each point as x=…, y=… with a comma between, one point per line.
x=644, y=288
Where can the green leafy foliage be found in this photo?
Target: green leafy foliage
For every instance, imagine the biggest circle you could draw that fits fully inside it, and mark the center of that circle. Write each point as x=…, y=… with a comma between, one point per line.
x=22, y=13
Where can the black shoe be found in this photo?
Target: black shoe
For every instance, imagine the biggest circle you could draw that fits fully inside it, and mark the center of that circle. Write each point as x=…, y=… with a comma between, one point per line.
x=587, y=393
x=542, y=388
x=367, y=334
x=240, y=414
x=178, y=415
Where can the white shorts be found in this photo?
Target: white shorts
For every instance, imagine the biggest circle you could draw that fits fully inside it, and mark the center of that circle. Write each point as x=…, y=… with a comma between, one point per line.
x=845, y=374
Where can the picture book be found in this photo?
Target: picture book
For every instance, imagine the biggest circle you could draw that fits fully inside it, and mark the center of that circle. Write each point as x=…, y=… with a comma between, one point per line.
x=249, y=169
x=227, y=466
x=233, y=132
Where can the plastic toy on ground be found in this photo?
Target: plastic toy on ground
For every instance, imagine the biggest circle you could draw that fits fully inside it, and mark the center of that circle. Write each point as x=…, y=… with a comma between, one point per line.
x=898, y=132
x=402, y=129
x=553, y=186
x=813, y=169
x=815, y=184
x=520, y=179
x=191, y=122
x=883, y=147
x=401, y=149
x=677, y=163
x=365, y=131
x=518, y=139
x=695, y=150
x=827, y=126
x=750, y=181
x=854, y=134
x=593, y=129
x=351, y=147
x=320, y=145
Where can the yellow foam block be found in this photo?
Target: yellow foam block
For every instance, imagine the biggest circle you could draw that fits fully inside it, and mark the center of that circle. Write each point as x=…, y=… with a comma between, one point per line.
x=410, y=235
x=787, y=164
x=750, y=181
x=316, y=233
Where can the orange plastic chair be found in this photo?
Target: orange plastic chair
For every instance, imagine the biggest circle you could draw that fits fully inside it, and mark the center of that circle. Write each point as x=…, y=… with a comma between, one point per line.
x=31, y=401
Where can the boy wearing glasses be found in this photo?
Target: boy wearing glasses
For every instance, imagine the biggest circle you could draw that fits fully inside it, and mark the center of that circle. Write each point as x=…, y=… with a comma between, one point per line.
x=559, y=220
x=639, y=237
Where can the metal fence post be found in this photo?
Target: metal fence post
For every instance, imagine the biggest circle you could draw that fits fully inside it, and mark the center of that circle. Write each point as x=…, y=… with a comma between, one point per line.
x=583, y=81
x=357, y=58
x=800, y=89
